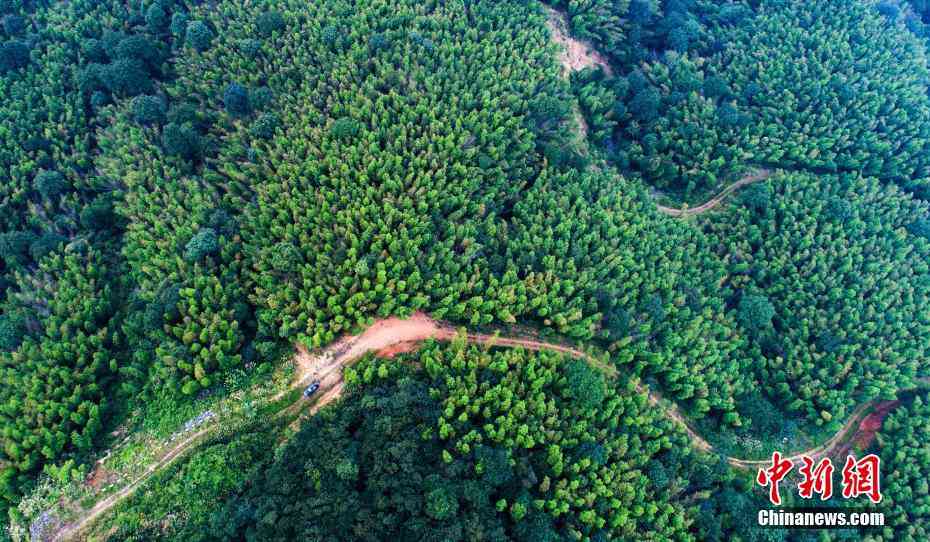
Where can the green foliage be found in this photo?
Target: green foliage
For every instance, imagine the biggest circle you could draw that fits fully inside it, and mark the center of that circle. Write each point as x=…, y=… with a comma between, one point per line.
x=904, y=448
x=236, y=99
x=99, y=99
x=757, y=197
x=199, y=36
x=192, y=487
x=250, y=48
x=14, y=247
x=481, y=446
x=156, y=19
x=50, y=184
x=45, y=244
x=845, y=287
x=331, y=36
x=584, y=384
x=61, y=275
x=204, y=243
x=137, y=47
x=441, y=504
x=409, y=156
x=181, y=140
x=13, y=25
x=839, y=209
x=98, y=215
x=627, y=30
x=755, y=313
x=179, y=22
x=198, y=330
x=691, y=121
x=270, y=22
x=261, y=98
x=54, y=382
x=920, y=228
x=265, y=125
x=478, y=241
x=672, y=323
x=14, y=55
x=11, y=333
x=94, y=51
x=345, y=128
x=127, y=77
x=148, y=110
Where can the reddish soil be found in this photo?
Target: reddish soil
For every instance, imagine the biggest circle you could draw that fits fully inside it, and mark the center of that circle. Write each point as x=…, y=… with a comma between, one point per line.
x=99, y=477
x=398, y=349
x=873, y=424
x=392, y=336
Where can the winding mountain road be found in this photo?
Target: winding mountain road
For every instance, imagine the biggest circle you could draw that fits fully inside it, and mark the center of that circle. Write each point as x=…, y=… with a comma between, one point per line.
x=754, y=177
x=394, y=335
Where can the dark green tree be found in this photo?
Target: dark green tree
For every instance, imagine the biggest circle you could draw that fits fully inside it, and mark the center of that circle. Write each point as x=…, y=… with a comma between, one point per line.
x=755, y=313
x=50, y=184
x=204, y=243
x=148, y=110
x=14, y=55
x=199, y=36
x=127, y=77
x=236, y=99
x=156, y=19
x=269, y=22
x=181, y=140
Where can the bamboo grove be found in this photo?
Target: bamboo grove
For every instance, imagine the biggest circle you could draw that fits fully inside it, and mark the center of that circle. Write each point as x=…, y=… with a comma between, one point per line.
x=188, y=189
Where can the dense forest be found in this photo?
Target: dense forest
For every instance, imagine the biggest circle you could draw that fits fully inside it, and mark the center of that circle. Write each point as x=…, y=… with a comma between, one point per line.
x=188, y=190
x=694, y=105
x=478, y=445
x=832, y=284
x=904, y=445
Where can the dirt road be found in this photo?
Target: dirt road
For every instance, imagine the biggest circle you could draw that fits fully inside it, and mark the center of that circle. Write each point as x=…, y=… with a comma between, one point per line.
x=575, y=55
x=71, y=530
x=396, y=335
x=754, y=177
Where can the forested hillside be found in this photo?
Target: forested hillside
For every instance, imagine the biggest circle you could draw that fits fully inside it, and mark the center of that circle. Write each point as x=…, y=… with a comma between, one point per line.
x=425, y=191
x=831, y=282
x=825, y=86
x=190, y=189
x=903, y=444
x=500, y=445
x=62, y=290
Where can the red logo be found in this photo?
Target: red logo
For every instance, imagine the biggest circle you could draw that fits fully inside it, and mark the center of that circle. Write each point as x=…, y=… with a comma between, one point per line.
x=818, y=479
x=862, y=478
x=772, y=475
x=859, y=478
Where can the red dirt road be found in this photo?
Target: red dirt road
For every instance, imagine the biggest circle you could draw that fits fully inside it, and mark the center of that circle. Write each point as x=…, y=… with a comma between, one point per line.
x=393, y=336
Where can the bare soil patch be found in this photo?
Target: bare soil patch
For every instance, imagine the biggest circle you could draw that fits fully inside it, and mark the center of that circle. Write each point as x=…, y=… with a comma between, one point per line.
x=575, y=54
x=873, y=424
